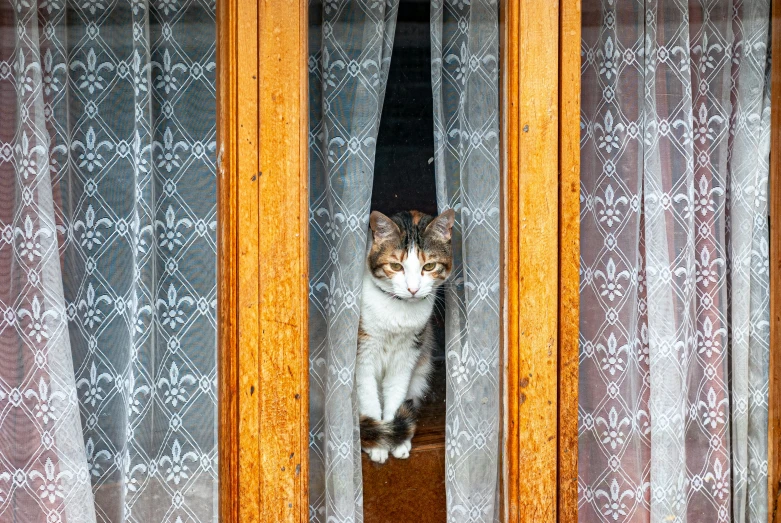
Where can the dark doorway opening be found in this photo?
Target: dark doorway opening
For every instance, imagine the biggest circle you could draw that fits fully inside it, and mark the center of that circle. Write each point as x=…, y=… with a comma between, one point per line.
x=404, y=180
x=404, y=168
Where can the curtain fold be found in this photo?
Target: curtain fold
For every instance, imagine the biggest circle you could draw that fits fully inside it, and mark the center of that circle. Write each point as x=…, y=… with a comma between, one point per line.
x=465, y=84
x=350, y=46
x=43, y=466
x=350, y=51
x=674, y=261
x=108, y=190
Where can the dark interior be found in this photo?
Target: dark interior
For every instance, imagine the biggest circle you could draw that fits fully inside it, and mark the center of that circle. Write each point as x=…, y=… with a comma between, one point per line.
x=404, y=180
x=404, y=168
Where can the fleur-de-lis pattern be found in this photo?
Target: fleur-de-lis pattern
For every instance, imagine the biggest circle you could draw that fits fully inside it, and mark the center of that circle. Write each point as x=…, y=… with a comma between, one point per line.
x=107, y=230
x=350, y=47
x=347, y=76
x=465, y=83
x=674, y=284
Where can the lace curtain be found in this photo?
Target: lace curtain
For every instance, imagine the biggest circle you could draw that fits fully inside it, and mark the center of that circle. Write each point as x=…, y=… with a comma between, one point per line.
x=674, y=263
x=350, y=46
x=108, y=256
x=465, y=81
x=350, y=52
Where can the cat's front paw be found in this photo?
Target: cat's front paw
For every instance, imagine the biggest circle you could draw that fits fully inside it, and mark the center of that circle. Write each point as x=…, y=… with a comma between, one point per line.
x=402, y=451
x=378, y=455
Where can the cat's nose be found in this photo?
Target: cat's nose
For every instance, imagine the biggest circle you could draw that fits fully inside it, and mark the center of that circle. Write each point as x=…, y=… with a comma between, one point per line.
x=412, y=291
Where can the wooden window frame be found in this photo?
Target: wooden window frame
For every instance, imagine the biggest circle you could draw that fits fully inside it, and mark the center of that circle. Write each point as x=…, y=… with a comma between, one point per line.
x=262, y=215
x=774, y=418
x=262, y=333
x=541, y=251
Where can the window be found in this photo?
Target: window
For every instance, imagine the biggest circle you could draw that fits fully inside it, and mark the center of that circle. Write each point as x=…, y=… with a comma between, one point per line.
x=264, y=330
x=108, y=381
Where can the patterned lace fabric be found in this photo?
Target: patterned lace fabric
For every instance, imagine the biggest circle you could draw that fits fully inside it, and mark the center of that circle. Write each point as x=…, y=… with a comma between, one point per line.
x=350, y=46
x=465, y=81
x=350, y=53
x=674, y=261
x=108, y=256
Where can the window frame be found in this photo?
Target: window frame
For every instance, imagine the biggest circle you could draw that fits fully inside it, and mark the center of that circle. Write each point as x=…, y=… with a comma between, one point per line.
x=541, y=251
x=262, y=335
x=262, y=119
x=774, y=209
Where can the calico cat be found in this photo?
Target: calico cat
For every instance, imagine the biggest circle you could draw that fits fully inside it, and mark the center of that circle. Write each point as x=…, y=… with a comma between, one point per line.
x=409, y=256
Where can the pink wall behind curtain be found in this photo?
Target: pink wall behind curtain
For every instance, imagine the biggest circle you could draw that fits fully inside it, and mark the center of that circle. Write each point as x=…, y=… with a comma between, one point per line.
x=674, y=163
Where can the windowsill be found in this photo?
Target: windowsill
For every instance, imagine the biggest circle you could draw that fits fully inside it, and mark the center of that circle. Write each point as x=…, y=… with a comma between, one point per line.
x=408, y=489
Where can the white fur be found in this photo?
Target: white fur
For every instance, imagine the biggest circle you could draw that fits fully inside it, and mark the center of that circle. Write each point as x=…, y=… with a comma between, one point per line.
x=391, y=367
x=411, y=283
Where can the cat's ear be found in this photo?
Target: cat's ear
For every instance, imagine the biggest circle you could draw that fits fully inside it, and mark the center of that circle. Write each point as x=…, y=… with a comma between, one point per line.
x=442, y=225
x=383, y=228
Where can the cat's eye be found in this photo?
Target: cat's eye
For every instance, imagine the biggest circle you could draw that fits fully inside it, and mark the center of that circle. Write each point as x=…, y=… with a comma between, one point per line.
x=429, y=266
x=396, y=267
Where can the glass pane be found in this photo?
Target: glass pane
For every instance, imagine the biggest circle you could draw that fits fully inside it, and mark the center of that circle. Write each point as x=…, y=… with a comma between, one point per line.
x=108, y=261
x=674, y=262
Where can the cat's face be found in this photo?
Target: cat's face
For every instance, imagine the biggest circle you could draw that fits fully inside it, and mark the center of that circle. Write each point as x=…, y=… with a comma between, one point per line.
x=410, y=254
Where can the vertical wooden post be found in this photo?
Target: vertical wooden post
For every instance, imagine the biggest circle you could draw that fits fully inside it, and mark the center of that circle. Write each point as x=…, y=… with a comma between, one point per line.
x=283, y=259
x=510, y=97
x=774, y=418
x=531, y=263
x=227, y=261
x=263, y=257
x=569, y=257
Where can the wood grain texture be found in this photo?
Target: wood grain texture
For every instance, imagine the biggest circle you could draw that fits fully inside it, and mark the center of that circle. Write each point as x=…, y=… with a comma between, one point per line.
x=262, y=122
x=283, y=261
x=531, y=271
x=227, y=261
x=246, y=165
x=569, y=261
x=408, y=490
x=774, y=419
x=509, y=43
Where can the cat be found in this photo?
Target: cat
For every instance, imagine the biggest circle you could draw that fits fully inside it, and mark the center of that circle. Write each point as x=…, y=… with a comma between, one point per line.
x=409, y=257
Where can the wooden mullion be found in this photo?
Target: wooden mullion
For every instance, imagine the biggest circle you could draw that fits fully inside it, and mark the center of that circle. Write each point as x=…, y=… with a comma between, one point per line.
x=510, y=52
x=263, y=260
x=531, y=263
x=246, y=165
x=569, y=261
x=283, y=363
x=227, y=264
x=774, y=404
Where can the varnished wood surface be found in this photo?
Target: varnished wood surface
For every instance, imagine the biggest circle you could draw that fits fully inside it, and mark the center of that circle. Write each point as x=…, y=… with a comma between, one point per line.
x=246, y=165
x=569, y=252
x=263, y=216
x=227, y=262
x=530, y=385
x=404, y=491
x=283, y=249
x=263, y=211
x=774, y=425
x=509, y=52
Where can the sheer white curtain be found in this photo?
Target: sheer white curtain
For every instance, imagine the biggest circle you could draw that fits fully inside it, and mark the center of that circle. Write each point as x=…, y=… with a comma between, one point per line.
x=674, y=262
x=107, y=261
x=465, y=81
x=351, y=44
